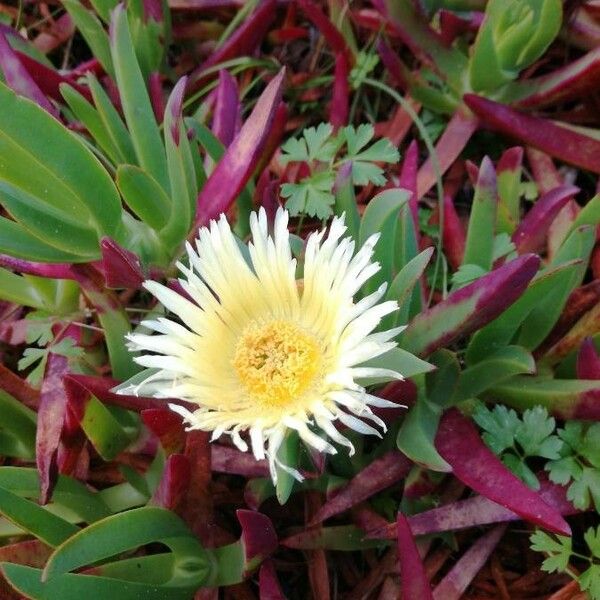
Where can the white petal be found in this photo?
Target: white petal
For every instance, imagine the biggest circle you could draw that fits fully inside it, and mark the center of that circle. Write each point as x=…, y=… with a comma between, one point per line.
x=239, y=443
x=188, y=312
x=357, y=425
x=382, y=402
x=183, y=412
x=164, y=344
x=374, y=373
x=329, y=428
x=258, y=442
x=312, y=439
x=168, y=363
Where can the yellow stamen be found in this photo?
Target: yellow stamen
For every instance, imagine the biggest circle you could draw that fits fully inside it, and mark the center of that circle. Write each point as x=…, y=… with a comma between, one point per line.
x=276, y=362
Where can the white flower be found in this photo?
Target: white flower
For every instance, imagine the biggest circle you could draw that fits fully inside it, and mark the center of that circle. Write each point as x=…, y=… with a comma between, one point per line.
x=263, y=352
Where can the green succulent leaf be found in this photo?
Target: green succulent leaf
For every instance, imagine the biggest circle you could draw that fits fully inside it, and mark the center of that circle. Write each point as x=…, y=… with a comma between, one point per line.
x=514, y=35
x=137, y=108
x=92, y=31
x=17, y=429
x=65, y=198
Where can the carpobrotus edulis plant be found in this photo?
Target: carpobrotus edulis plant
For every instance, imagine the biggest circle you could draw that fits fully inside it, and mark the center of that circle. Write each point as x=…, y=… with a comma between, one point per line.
x=263, y=351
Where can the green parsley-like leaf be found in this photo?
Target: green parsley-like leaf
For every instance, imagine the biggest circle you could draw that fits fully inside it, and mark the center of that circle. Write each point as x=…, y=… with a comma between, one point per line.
x=503, y=246
x=529, y=190
x=364, y=173
x=467, y=274
x=534, y=435
x=561, y=471
x=318, y=147
x=294, y=150
x=311, y=196
x=381, y=151
x=365, y=63
x=318, y=144
x=585, y=490
x=357, y=138
x=572, y=434
x=39, y=328
x=558, y=549
x=66, y=347
x=590, y=447
x=589, y=581
x=592, y=539
x=578, y=463
x=516, y=439
x=500, y=425
x=321, y=146
x=363, y=157
x=30, y=357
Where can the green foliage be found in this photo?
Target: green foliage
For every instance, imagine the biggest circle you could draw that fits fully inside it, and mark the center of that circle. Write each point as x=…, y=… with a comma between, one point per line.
x=43, y=294
x=316, y=144
x=578, y=463
x=387, y=218
x=321, y=149
x=417, y=433
x=119, y=169
x=158, y=179
x=312, y=196
x=571, y=454
x=39, y=330
x=513, y=36
x=557, y=547
x=502, y=247
x=517, y=439
x=559, y=552
x=502, y=365
x=403, y=285
x=64, y=199
x=479, y=245
x=542, y=318
x=364, y=159
x=137, y=108
x=466, y=274
x=18, y=429
x=65, y=347
x=92, y=31
x=149, y=31
x=365, y=64
x=502, y=330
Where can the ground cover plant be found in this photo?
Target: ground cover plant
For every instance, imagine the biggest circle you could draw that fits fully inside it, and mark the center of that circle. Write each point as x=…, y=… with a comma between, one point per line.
x=299, y=299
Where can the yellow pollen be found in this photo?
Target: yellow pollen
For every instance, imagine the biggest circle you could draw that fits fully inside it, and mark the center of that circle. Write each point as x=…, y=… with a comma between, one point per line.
x=276, y=362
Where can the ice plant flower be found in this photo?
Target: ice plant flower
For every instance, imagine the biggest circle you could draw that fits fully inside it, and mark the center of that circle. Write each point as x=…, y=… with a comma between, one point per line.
x=262, y=352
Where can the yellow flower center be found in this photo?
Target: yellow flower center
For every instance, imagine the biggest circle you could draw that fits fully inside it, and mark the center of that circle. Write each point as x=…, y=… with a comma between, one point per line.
x=276, y=362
